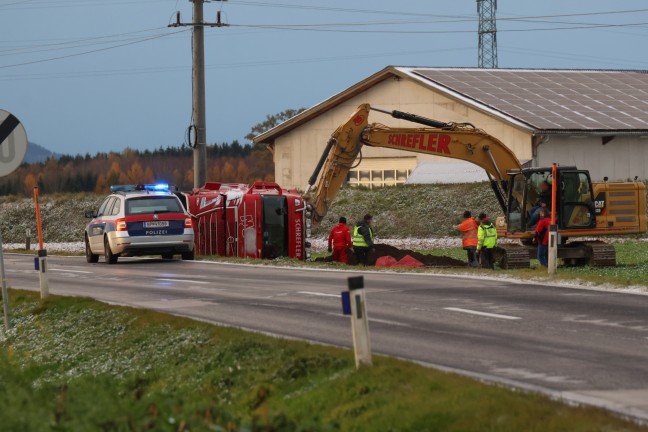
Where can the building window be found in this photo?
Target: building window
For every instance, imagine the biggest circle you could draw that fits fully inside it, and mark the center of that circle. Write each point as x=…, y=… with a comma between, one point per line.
x=378, y=178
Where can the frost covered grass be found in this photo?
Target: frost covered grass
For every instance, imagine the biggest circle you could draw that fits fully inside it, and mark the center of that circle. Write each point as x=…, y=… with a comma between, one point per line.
x=63, y=217
x=71, y=364
x=411, y=210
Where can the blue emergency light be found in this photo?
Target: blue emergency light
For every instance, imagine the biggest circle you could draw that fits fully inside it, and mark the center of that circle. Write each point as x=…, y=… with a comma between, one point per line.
x=156, y=187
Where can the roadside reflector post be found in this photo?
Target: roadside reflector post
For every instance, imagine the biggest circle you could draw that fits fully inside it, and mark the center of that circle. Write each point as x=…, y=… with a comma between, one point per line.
x=5, y=295
x=553, y=249
x=359, y=321
x=42, y=253
x=27, y=239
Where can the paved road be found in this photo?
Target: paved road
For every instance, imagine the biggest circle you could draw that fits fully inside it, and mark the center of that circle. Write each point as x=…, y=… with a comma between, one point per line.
x=582, y=345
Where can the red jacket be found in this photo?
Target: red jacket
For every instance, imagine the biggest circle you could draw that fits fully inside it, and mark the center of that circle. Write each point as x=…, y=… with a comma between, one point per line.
x=340, y=237
x=543, y=224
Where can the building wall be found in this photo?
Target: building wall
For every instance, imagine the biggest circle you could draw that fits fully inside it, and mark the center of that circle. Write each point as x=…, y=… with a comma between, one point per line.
x=622, y=158
x=297, y=152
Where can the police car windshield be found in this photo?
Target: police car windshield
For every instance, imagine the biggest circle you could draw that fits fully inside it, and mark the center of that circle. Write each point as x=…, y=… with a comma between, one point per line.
x=144, y=205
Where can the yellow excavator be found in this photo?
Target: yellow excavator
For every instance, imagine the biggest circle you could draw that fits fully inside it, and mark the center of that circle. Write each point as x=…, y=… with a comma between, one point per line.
x=584, y=209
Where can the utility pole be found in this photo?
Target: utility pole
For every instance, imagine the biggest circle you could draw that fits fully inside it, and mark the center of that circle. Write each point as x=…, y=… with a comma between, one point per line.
x=198, y=126
x=487, y=34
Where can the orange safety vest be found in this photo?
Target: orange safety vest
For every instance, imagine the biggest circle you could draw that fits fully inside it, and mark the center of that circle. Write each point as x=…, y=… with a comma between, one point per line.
x=468, y=229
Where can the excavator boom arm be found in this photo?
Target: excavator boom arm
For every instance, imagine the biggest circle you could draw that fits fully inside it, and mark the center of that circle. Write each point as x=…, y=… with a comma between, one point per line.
x=454, y=140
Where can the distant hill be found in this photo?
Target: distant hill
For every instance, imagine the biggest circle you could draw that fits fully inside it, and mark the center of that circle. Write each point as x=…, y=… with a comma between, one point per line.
x=36, y=153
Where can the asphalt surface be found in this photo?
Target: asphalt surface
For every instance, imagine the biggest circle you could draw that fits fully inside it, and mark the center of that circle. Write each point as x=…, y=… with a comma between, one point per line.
x=585, y=346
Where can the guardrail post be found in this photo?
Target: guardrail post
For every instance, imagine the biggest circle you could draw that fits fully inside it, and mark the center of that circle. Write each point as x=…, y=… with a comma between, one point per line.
x=359, y=322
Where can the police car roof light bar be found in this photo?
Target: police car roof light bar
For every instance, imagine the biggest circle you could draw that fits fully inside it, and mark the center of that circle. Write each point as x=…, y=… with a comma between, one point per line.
x=159, y=187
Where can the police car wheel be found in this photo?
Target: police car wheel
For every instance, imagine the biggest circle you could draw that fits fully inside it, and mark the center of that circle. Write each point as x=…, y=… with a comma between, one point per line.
x=109, y=256
x=188, y=256
x=90, y=257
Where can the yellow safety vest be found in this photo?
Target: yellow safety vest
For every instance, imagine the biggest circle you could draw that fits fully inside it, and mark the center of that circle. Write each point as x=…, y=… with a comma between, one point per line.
x=487, y=236
x=358, y=239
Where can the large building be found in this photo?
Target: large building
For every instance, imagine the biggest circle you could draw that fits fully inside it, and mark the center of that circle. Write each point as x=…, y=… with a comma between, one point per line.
x=593, y=119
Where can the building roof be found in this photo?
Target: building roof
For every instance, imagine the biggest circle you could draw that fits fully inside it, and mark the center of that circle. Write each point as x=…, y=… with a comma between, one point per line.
x=587, y=100
x=539, y=100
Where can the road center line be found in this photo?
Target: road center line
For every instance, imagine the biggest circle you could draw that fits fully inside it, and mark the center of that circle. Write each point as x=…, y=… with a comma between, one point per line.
x=318, y=294
x=182, y=280
x=468, y=311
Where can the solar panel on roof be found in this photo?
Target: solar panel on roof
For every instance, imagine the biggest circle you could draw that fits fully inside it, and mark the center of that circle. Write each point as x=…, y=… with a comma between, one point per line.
x=554, y=99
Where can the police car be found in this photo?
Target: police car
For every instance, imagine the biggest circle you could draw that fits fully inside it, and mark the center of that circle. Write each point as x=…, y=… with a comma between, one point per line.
x=137, y=220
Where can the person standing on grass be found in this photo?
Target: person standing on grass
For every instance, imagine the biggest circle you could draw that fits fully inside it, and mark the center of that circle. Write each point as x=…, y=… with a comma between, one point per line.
x=486, y=241
x=363, y=239
x=339, y=241
x=541, y=237
x=468, y=229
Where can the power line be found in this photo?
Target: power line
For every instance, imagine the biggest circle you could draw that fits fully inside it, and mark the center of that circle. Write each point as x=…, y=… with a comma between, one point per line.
x=75, y=3
x=328, y=30
x=89, y=52
x=69, y=46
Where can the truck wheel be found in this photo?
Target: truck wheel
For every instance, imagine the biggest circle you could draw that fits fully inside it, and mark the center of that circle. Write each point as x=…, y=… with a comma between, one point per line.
x=90, y=257
x=109, y=256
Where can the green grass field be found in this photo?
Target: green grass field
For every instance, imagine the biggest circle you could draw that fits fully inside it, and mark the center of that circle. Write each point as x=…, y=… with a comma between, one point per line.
x=71, y=364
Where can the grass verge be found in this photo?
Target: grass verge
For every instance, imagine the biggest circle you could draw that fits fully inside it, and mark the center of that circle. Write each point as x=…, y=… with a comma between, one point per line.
x=631, y=269
x=71, y=364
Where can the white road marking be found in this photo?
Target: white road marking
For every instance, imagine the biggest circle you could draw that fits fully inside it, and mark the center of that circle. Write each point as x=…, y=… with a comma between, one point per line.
x=472, y=312
x=69, y=271
x=583, y=319
x=395, y=323
x=318, y=294
x=182, y=280
x=527, y=374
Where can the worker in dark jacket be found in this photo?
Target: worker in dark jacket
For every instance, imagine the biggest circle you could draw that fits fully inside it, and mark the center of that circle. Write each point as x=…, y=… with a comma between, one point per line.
x=362, y=239
x=339, y=241
x=486, y=241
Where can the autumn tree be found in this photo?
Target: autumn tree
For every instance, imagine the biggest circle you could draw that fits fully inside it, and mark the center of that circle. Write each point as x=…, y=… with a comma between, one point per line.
x=135, y=173
x=113, y=175
x=242, y=171
x=228, y=175
x=30, y=182
x=101, y=186
x=272, y=121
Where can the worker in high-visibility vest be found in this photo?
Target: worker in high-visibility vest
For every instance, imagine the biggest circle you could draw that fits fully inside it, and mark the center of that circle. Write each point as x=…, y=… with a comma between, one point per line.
x=362, y=239
x=486, y=241
x=468, y=229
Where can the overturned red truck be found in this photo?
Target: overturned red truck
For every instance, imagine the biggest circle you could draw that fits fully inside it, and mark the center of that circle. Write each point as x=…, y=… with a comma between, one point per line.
x=261, y=220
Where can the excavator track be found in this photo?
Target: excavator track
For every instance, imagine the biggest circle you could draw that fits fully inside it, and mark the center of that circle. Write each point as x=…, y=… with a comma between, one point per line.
x=598, y=253
x=510, y=256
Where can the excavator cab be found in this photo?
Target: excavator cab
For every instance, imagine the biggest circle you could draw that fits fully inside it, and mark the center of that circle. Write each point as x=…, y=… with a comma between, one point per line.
x=531, y=187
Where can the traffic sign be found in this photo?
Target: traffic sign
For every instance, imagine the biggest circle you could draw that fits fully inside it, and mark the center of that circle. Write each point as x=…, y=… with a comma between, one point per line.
x=13, y=143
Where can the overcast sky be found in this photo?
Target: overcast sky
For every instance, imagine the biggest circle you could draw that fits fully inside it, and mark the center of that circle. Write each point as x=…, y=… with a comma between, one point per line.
x=88, y=76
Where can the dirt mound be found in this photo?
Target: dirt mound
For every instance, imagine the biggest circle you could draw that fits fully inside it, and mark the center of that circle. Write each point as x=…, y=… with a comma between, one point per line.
x=383, y=250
